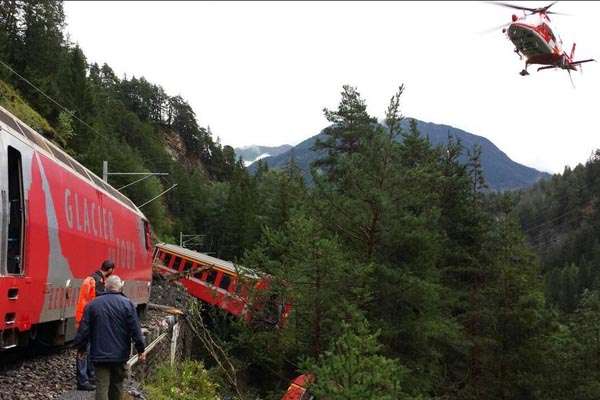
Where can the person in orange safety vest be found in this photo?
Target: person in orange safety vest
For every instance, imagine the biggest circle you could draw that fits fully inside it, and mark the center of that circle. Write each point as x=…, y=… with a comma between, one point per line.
x=91, y=287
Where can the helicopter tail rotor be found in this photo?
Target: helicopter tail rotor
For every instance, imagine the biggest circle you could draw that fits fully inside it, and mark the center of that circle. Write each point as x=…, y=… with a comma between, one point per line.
x=574, y=63
x=571, y=78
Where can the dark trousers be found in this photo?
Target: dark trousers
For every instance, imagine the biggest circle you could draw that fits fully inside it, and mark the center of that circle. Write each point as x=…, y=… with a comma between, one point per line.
x=84, y=368
x=109, y=380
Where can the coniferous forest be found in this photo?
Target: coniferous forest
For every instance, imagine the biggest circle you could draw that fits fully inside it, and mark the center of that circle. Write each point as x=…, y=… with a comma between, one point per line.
x=409, y=279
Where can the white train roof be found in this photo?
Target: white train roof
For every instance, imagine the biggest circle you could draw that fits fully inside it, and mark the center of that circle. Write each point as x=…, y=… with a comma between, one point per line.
x=39, y=142
x=208, y=260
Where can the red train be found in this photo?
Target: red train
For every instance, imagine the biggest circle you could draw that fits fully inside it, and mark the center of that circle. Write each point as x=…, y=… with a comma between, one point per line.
x=298, y=389
x=233, y=288
x=58, y=222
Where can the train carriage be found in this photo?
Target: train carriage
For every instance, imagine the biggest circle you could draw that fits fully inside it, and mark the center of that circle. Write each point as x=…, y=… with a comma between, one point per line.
x=58, y=222
x=237, y=290
x=299, y=388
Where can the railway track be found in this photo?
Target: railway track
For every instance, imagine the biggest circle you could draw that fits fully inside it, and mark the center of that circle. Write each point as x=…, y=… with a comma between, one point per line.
x=37, y=374
x=42, y=373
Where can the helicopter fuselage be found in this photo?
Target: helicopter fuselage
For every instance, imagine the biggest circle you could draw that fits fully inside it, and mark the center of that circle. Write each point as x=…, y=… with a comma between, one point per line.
x=537, y=43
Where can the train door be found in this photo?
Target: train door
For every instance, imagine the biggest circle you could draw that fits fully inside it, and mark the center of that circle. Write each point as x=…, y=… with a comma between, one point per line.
x=14, y=283
x=16, y=212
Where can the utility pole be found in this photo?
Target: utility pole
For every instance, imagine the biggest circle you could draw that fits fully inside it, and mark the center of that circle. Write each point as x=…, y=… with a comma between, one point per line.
x=105, y=171
x=196, y=239
x=192, y=238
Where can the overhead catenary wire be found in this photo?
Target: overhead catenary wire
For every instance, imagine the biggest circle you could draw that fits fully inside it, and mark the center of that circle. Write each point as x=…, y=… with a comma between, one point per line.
x=134, y=182
x=551, y=220
x=559, y=216
x=158, y=195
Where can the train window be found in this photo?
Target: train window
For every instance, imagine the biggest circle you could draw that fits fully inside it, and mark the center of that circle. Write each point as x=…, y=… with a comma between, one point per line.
x=308, y=396
x=82, y=171
x=100, y=182
x=188, y=265
x=9, y=121
x=167, y=259
x=59, y=154
x=147, y=235
x=225, y=282
x=212, y=276
x=14, y=250
x=177, y=263
x=34, y=137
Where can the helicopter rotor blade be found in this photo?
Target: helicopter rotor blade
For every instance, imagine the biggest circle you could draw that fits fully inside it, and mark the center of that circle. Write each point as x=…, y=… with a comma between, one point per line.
x=531, y=10
x=494, y=28
x=559, y=13
x=502, y=4
x=582, y=61
x=548, y=6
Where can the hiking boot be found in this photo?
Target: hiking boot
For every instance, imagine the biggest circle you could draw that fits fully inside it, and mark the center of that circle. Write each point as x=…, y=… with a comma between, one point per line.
x=88, y=387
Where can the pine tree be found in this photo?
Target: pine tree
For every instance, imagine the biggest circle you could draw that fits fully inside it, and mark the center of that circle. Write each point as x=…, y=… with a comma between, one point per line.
x=354, y=369
x=44, y=54
x=351, y=127
x=358, y=188
x=317, y=277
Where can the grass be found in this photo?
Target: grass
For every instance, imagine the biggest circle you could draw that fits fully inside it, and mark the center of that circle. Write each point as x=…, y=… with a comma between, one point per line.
x=10, y=99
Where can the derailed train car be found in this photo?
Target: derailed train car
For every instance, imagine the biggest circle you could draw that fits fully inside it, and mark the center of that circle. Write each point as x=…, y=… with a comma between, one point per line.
x=58, y=222
x=237, y=290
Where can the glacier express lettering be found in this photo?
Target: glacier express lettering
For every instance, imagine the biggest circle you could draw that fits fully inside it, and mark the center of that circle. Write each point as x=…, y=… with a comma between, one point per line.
x=88, y=217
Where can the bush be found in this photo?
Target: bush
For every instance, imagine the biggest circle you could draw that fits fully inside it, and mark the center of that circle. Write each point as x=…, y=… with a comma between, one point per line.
x=187, y=380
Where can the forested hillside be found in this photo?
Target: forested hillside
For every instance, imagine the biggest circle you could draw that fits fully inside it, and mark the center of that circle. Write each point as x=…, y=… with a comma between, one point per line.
x=132, y=123
x=560, y=217
x=407, y=280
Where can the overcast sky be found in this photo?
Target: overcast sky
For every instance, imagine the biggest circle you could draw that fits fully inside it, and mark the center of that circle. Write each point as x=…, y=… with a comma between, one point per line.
x=261, y=73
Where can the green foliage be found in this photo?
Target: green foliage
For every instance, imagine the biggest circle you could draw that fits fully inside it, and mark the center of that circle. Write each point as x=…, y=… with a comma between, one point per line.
x=187, y=380
x=64, y=131
x=354, y=369
x=574, y=351
x=451, y=296
x=560, y=219
x=14, y=103
x=135, y=125
x=323, y=278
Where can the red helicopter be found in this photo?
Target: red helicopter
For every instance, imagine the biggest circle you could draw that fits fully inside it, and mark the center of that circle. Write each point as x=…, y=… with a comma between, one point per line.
x=534, y=39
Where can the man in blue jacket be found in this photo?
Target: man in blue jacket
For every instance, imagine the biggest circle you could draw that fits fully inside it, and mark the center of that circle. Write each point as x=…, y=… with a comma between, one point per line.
x=109, y=324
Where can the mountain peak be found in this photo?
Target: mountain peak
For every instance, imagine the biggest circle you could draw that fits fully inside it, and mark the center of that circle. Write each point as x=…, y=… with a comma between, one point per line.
x=501, y=173
x=253, y=152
